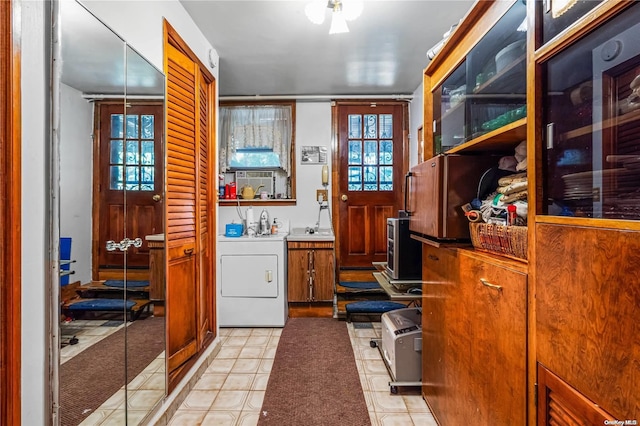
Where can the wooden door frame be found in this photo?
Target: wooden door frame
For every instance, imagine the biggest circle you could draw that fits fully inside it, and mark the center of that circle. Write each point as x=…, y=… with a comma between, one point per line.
x=10, y=213
x=335, y=162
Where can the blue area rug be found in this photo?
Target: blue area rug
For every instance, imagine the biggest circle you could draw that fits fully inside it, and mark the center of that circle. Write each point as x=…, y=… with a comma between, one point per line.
x=130, y=284
x=361, y=285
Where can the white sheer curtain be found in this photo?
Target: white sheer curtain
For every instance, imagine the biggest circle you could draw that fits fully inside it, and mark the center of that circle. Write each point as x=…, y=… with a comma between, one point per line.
x=257, y=127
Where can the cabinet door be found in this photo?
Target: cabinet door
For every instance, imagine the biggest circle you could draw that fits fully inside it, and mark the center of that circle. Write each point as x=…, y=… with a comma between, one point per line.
x=492, y=359
x=323, y=275
x=440, y=307
x=559, y=404
x=299, y=274
x=587, y=310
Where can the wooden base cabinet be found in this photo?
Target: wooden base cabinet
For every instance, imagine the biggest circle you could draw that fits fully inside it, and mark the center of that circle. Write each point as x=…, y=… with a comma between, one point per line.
x=475, y=321
x=311, y=271
x=587, y=311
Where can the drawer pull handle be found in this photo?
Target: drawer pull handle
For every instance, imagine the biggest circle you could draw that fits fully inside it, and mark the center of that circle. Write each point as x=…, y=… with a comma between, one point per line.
x=488, y=284
x=433, y=257
x=188, y=252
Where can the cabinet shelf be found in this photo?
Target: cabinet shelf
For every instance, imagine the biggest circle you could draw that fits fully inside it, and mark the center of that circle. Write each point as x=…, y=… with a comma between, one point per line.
x=502, y=139
x=506, y=81
x=606, y=124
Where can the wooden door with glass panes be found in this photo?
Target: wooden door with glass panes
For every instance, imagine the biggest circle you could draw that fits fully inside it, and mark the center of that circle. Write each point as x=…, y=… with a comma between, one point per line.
x=372, y=164
x=130, y=159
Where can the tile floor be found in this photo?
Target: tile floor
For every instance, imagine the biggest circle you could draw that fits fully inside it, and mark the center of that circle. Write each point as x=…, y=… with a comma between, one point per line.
x=231, y=390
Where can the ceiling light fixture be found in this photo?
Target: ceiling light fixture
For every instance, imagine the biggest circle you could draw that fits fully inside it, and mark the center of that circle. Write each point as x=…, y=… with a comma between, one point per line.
x=342, y=11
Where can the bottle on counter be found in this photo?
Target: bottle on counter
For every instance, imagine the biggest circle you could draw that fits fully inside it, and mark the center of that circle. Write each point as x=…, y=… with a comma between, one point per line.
x=274, y=227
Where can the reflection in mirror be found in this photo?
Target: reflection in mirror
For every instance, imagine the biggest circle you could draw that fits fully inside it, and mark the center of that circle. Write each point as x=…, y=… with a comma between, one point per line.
x=144, y=185
x=111, y=334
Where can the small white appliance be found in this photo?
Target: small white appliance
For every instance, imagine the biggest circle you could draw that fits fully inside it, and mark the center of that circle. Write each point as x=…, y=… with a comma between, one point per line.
x=402, y=343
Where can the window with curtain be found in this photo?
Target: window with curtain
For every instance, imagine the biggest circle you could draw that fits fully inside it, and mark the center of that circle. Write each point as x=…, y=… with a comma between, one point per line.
x=256, y=136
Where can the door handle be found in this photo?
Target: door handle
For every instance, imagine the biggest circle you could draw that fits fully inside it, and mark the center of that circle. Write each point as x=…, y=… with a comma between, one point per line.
x=123, y=245
x=156, y=198
x=344, y=197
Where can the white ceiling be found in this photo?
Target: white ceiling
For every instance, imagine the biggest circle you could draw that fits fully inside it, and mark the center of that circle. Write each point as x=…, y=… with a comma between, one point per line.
x=270, y=48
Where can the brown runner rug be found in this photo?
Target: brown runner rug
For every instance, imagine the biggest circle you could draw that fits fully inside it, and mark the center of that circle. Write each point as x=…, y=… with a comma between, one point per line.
x=95, y=374
x=314, y=379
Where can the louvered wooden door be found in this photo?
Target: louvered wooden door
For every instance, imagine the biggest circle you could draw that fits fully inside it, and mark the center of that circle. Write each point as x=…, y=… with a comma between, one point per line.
x=205, y=207
x=182, y=329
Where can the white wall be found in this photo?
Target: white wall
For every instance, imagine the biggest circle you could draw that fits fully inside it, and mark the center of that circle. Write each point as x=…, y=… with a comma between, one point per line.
x=76, y=160
x=313, y=128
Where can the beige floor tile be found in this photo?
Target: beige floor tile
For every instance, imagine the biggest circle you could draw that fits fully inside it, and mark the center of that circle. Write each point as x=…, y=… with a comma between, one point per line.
x=229, y=352
x=230, y=400
x=423, y=420
x=246, y=366
x=415, y=404
x=221, y=418
x=262, y=331
x=394, y=419
x=251, y=352
x=248, y=418
x=116, y=418
x=269, y=353
x=221, y=366
x=144, y=399
x=209, y=381
x=254, y=401
x=136, y=417
x=236, y=340
x=96, y=418
x=373, y=366
x=384, y=402
x=378, y=382
x=241, y=332
x=199, y=400
x=258, y=340
x=238, y=381
x=260, y=381
x=157, y=381
x=265, y=366
x=186, y=418
x=273, y=341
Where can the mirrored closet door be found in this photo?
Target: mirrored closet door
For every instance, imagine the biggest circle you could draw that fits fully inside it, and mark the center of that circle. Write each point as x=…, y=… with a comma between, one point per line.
x=108, y=135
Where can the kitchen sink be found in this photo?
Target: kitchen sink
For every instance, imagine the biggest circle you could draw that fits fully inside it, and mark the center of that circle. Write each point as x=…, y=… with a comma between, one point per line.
x=304, y=234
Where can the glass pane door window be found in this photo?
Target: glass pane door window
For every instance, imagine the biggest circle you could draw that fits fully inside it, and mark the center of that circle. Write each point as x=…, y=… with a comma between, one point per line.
x=132, y=158
x=592, y=124
x=370, y=152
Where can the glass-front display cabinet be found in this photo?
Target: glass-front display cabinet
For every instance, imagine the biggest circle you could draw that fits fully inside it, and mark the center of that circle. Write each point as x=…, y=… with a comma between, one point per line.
x=557, y=15
x=488, y=89
x=591, y=124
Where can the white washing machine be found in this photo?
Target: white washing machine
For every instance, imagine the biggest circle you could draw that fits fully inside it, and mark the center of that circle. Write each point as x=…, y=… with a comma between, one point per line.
x=251, y=277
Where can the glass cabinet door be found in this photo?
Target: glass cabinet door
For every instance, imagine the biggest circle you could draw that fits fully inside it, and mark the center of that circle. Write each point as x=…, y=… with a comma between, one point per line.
x=486, y=91
x=557, y=15
x=592, y=124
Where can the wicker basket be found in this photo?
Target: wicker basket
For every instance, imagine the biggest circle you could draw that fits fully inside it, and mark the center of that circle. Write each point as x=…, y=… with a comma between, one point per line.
x=505, y=240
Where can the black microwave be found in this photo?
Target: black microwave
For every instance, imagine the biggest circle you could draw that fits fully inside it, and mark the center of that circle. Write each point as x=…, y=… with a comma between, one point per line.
x=404, y=254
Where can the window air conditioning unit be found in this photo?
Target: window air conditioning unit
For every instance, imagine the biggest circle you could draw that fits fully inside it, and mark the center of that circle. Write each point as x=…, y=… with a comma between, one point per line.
x=255, y=179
